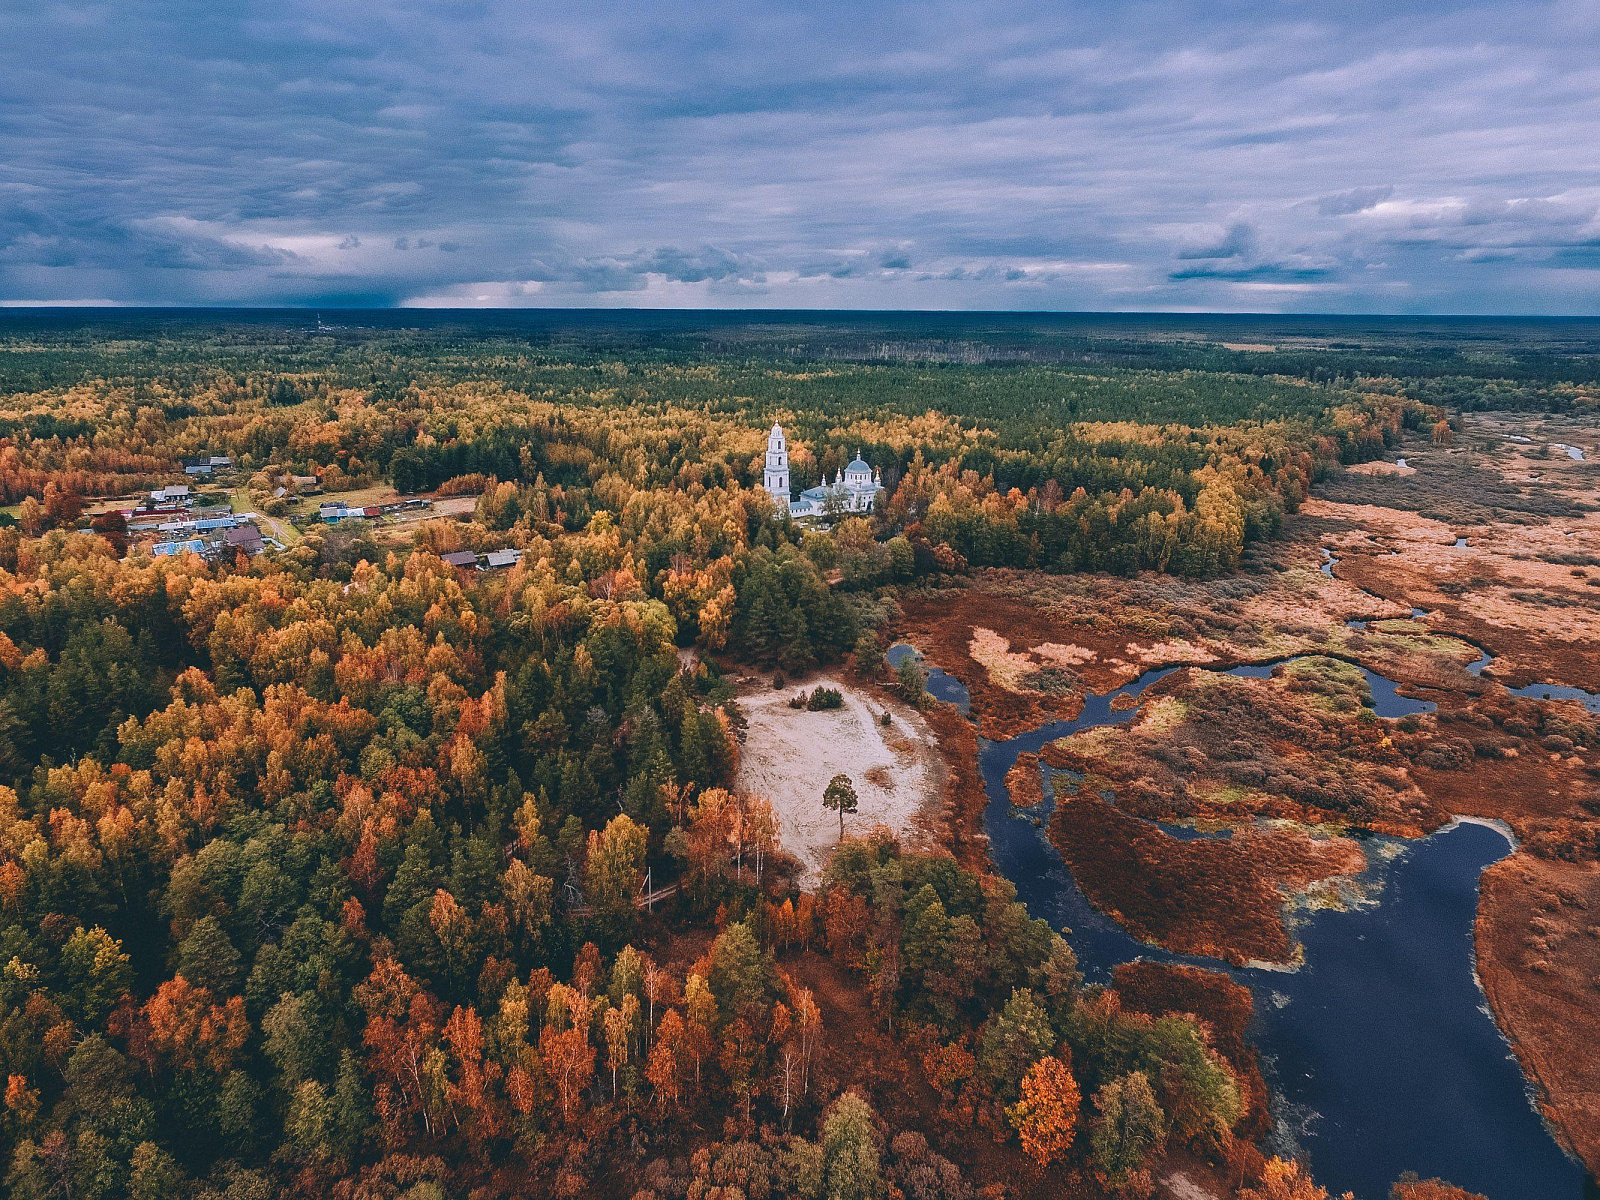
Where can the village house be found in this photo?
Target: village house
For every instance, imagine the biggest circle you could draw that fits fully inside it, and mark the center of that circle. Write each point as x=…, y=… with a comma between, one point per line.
x=172, y=549
x=333, y=511
x=176, y=493
x=302, y=485
x=244, y=537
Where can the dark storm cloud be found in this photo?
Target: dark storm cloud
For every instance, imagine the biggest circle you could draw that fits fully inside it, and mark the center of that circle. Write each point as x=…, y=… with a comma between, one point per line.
x=633, y=272
x=1261, y=273
x=1342, y=204
x=1238, y=241
x=1404, y=155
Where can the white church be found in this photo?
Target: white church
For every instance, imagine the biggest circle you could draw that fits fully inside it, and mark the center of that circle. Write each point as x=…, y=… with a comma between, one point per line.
x=853, y=491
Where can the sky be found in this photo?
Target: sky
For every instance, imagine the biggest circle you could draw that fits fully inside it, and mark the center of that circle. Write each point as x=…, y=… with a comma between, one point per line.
x=1399, y=156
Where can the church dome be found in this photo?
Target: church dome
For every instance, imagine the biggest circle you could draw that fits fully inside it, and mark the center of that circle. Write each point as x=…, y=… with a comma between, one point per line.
x=858, y=468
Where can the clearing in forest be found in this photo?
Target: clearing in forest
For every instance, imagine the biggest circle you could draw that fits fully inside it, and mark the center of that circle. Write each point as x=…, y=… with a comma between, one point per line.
x=790, y=754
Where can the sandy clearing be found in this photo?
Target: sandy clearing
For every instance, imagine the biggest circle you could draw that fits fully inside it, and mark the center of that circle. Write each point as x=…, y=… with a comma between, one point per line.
x=1378, y=467
x=1181, y=1187
x=452, y=506
x=789, y=756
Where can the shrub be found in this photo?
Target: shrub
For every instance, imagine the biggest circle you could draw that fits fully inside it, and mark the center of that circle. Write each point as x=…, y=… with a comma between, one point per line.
x=913, y=680
x=1447, y=754
x=473, y=484
x=869, y=655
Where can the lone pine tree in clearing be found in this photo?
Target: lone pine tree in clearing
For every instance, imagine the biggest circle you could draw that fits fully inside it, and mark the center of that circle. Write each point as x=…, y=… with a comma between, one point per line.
x=841, y=797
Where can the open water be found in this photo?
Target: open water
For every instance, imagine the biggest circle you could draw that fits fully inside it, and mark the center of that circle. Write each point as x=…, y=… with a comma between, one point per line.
x=1380, y=1049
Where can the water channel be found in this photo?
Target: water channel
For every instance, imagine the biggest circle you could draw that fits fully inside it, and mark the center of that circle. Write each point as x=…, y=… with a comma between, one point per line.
x=1537, y=691
x=1380, y=1049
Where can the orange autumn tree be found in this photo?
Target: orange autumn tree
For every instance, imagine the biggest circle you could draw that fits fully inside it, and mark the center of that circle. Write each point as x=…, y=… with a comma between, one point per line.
x=472, y=1095
x=665, y=1067
x=1285, y=1179
x=1046, y=1114
x=565, y=1046
x=402, y=1041
x=179, y=1027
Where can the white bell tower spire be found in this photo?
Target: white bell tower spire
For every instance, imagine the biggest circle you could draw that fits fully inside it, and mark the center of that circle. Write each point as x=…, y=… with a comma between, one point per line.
x=775, y=478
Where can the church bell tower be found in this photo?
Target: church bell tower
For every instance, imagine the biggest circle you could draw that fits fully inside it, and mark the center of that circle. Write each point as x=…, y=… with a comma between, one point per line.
x=776, y=476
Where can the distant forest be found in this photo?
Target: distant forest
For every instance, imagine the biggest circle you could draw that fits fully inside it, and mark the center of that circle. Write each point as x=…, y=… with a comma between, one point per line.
x=1478, y=361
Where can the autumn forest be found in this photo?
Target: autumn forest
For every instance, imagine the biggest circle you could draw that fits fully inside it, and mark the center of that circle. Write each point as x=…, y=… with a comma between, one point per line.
x=363, y=867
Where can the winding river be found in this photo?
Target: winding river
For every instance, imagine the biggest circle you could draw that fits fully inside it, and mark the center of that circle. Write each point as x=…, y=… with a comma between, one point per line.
x=1380, y=1050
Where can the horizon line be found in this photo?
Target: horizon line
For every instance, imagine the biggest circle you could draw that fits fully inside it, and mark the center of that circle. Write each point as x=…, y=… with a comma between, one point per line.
x=8, y=307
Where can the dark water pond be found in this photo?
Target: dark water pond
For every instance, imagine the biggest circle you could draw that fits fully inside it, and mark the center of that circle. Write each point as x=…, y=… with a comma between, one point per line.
x=1386, y=701
x=1540, y=691
x=1560, y=691
x=1380, y=1049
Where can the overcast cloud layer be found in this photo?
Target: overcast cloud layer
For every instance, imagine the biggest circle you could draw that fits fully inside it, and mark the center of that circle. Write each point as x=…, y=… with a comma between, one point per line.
x=1397, y=156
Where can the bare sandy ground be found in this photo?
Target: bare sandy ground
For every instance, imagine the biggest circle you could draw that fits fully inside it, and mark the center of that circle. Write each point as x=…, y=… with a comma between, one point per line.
x=790, y=755
x=1378, y=467
x=452, y=506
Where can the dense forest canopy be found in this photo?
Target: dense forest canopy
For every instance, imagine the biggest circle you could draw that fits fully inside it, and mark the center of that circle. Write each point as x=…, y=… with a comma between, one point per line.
x=319, y=870
x=1550, y=356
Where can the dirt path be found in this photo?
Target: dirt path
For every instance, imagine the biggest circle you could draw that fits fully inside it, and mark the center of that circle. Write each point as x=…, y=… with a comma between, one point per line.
x=241, y=501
